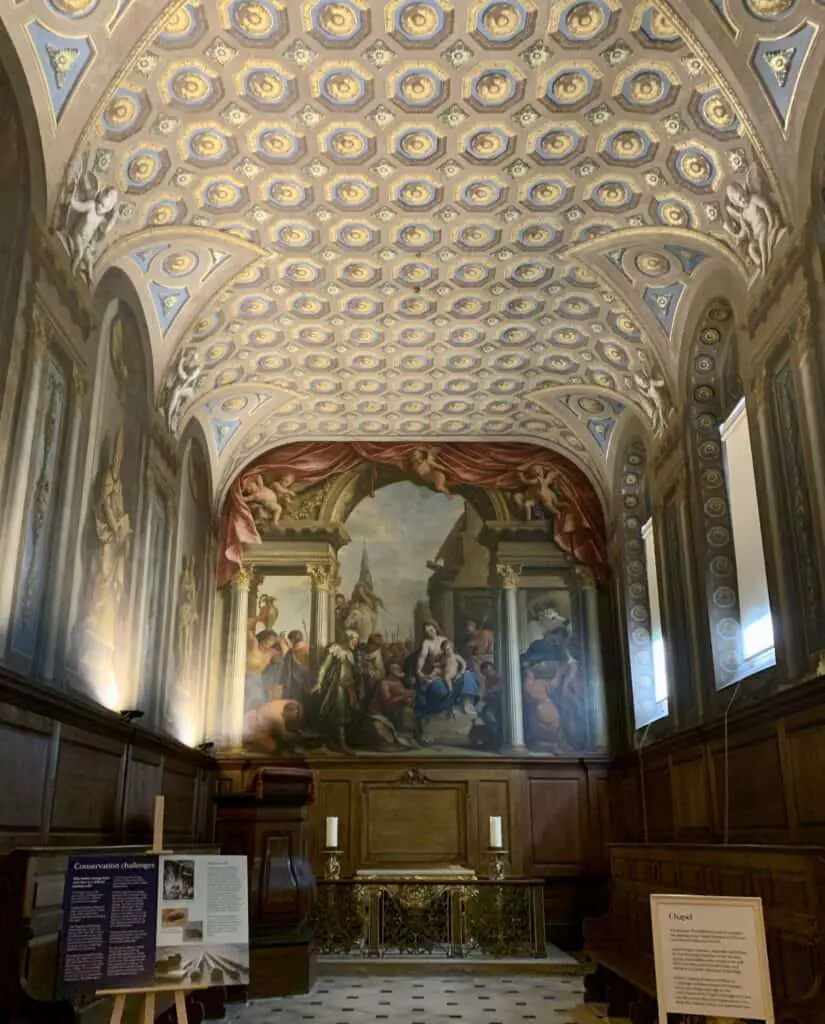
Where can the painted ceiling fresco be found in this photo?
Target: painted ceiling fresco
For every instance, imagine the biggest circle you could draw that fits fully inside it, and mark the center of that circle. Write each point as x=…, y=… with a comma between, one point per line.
x=418, y=218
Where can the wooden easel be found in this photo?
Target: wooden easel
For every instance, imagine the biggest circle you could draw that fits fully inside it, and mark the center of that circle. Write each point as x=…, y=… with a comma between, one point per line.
x=148, y=995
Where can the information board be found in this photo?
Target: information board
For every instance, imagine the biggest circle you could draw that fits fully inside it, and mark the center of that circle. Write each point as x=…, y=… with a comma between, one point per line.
x=711, y=960
x=175, y=921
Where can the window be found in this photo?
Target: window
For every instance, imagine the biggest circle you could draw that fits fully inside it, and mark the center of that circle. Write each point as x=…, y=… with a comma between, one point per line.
x=657, y=640
x=754, y=601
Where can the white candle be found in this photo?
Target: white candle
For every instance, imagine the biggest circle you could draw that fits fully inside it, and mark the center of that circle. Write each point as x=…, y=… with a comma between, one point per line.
x=332, y=833
x=495, y=833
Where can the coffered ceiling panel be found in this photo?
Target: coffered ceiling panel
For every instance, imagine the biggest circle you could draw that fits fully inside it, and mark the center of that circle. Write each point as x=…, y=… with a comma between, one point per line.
x=478, y=218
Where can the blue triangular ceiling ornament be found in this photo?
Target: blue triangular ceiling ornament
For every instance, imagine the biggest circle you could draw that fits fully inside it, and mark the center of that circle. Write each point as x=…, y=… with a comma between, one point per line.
x=223, y=432
x=662, y=302
x=778, y=63
x=168, y=303
x=143, y=257
x=601, y=429
x=63, y=61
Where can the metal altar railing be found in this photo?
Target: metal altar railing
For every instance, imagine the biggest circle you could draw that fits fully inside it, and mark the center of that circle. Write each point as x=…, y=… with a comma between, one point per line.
x=416, y=917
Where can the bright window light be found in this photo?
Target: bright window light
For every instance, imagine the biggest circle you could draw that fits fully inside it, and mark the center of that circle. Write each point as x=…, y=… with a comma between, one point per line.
x=657, y=641
x=754, y=600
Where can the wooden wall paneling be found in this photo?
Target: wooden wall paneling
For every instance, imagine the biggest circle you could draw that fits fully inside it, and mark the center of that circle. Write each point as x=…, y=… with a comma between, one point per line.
x=803, y=750
x=142, y=784
x=558, y=810
x=179, y=787
x=598, y=822
x=25, y=747
x=755, y=789
x=87, y=787
x=626, y=821
x=658, y=797
x=432, y=831
x=691, y=795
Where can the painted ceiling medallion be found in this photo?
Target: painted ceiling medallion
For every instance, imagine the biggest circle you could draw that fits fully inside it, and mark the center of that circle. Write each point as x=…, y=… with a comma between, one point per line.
x=569, y=88
x=494, y=88
x=266, y=86
x=499, y=24
x=581, y=23
x=256, y=22
x=419, y=22
x=338, y=23
x=419, y=88
x=415, y=237
x=652, y=264
x=487, y=145
x=418, y=145
x=769, y=8
x=558, y=144
x=343, y=87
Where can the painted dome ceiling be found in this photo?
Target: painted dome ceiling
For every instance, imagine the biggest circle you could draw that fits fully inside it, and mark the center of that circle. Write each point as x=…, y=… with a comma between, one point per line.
x=419, y=218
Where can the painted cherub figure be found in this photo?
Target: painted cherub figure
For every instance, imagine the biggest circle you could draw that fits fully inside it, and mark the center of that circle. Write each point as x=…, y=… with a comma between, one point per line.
x=752, y=221
x=651, y=388
x=90, y=214
x=182, y=388
x=423, y=463
x=538, y=491
x=269, y=501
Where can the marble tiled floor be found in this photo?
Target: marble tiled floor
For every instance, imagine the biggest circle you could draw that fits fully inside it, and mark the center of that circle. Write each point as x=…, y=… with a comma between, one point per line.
x=435, y=999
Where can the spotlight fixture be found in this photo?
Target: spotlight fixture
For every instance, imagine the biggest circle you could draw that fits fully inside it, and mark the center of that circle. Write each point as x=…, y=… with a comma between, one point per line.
x=206, y=747
x=130, y=715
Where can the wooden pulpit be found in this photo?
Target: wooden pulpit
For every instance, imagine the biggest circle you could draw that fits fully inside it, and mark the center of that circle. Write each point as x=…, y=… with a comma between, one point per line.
x=269, y=825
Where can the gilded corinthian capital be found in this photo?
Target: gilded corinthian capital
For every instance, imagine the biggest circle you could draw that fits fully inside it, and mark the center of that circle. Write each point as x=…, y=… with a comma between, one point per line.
x=510, y=575
x=323, y=576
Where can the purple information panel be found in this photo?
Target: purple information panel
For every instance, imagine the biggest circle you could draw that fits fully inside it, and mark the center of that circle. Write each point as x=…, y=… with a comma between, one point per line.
x=109, y=923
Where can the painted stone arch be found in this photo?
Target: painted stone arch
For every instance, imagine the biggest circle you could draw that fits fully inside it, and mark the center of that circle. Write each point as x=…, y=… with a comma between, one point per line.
x=714, y=390
x=633, y=511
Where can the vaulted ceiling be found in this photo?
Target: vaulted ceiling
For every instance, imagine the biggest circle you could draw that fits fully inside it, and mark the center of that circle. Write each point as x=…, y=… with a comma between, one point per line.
x=419, y=218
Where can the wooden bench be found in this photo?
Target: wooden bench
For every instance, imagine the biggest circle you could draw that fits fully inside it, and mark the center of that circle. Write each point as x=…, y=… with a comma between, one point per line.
x=789, y=880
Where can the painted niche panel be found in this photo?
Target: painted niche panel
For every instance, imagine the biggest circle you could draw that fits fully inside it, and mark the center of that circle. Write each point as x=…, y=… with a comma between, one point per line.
x=39, y=528
x=110, y=544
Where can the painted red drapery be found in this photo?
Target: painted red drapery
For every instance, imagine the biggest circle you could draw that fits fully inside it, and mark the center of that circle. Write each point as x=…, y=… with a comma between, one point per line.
x=578, y=527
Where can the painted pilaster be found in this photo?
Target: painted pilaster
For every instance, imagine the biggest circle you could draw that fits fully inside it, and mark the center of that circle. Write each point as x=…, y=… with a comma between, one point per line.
x=593, y=658
x=236, y=660
x=776, y=551
x=55, y=637
x=513, y=706
x=21, y=471
x=811, y=408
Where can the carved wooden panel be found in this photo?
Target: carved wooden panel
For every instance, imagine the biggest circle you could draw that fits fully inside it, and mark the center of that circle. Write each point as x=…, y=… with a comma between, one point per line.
x=431, y=830
x=24, y=757
x=87, y=786
x=691, y=796
x=756, y=797
x=805, y=746
x=556, y=816
x=180, y=790
x=143, y=783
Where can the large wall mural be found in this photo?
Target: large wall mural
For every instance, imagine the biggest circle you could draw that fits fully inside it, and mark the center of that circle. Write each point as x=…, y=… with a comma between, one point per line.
x=375, y=615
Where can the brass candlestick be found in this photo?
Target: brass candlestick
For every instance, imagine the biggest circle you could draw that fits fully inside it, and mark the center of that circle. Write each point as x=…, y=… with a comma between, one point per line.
x=332, y=863
x=498, y=862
